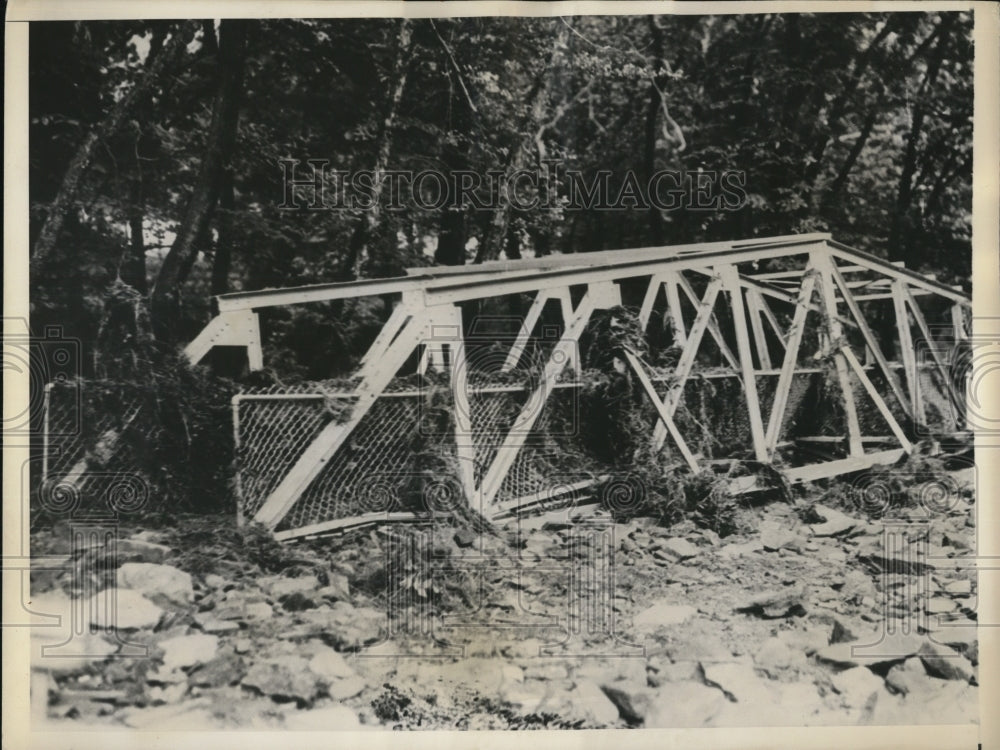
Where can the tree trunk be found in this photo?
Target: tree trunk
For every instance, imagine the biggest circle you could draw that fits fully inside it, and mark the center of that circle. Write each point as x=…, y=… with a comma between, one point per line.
x=495, y=241
x=133, y=266
x=224, y=246
x=845, y=170
x=49, y=234
x=452, y=230
x=451, y=239
x=904, y=193
x=369, y=231
x=655, y=233
x=861, y=65
x=219, y=148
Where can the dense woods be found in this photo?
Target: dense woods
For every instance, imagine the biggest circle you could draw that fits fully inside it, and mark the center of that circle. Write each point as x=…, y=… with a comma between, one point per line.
x=160, y=151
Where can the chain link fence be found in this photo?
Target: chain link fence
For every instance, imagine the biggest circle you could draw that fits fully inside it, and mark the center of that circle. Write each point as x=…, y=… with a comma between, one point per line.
x=125, y=447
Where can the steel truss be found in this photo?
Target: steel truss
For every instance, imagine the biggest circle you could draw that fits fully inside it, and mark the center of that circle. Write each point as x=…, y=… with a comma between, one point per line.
x=822, y=288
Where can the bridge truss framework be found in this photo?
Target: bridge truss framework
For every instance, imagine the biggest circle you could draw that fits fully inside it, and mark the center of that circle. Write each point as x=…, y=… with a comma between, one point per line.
x=727, y=318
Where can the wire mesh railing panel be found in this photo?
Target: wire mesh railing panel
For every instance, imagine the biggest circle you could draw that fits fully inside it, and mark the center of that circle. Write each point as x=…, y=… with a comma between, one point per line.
x=92, y=455
x=491, y=414
x=273, y=431
x=85, y=421
x=553, y=451
x=373, y=471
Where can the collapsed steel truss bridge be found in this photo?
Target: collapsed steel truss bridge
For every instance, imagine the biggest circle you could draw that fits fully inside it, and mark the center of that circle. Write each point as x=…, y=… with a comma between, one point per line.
x=724, y=318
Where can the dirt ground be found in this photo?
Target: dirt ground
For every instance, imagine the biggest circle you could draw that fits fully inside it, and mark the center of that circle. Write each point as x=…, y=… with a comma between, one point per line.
x=814, y=615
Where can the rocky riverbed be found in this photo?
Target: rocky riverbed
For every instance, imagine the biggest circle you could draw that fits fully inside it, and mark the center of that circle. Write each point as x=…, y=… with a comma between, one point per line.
x=813, y=616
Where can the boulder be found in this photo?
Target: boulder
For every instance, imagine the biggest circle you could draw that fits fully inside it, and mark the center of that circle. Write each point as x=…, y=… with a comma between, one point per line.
x=961, y=635
x=241, y=608
x=834, y=522
x=774, y=655
x=677, y=548
x=210, y=624
x=346, y=627
x=257, y=611
x=135, y=549
x=592, y=704
x=872, y=648
x=738, y=681
x=946, y=663
x=699, y=641
x=684, y=704
x=280, y=586
x=939, y=605
x=335, y=675
x=857, y=685
x=857, y=585
x=123, y=609
x=959, y=588
x=465, y=537
x=778, y=603
x=188, y=650
x=163, y=584
x=774, y=537
x=285, y=678
x=329, y=665
x=608, y=670
x=525, y=699
x=633, y=700
x=896, y=564
x=662, y=614
x=740, y=549
x=48, y=653
x=227, y=669
x=341, y=690
x=909, y=677
x=191, y=716
x=948, y=702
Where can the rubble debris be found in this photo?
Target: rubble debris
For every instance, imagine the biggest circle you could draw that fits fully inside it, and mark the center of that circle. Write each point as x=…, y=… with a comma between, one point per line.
x=163, y=584
x=786, y=630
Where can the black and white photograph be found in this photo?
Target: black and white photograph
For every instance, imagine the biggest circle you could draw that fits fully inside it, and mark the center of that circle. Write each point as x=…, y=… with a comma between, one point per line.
x=525, y=369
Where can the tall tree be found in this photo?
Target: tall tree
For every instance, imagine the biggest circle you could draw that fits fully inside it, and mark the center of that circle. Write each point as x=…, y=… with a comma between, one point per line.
x=216, y=161
x=65, y=198
x=529, y=139
x=369, y=230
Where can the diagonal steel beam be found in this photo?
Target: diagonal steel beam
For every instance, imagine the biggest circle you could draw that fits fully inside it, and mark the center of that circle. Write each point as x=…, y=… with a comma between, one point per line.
x=870, y=341
x=683, y=369
x=802, y=307
x=835, y=333
x=731, y=280
x=713, y=323
x=527, y=327
x=333, y=436
x=666, y=418
x=906, y=349
x=560, y=356
x=674, y=311
x=757, y=325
